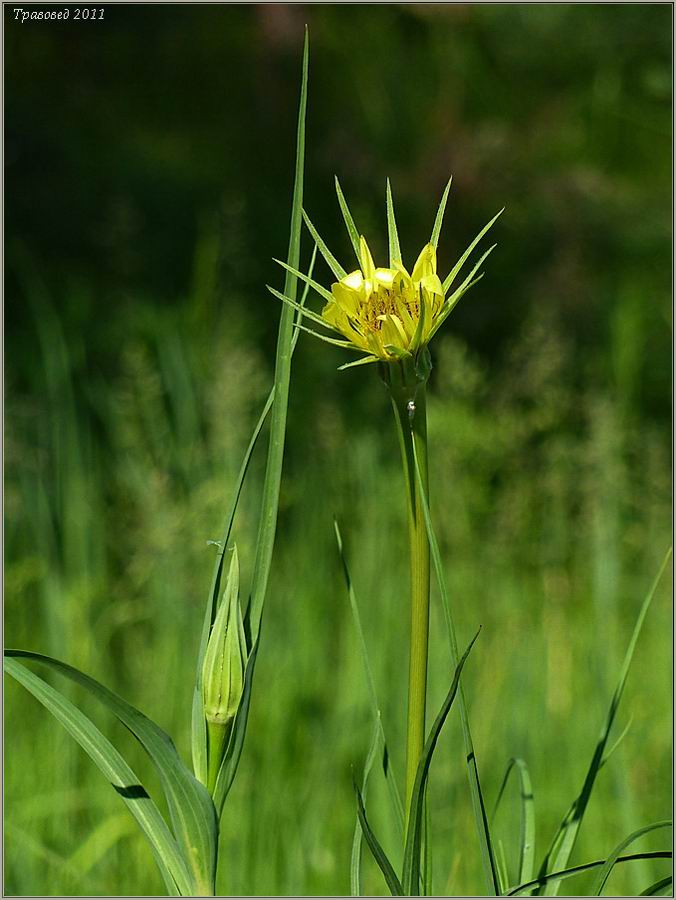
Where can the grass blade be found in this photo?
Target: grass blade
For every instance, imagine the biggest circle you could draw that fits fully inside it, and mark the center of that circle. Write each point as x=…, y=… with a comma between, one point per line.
x=411, y=874
x=661, y=888
x=436, y=230
x=379, y=855
x=355, y=856
x=605, y=872
x=478, y=806
x=564, y=841
x=113, y=766
x=349, y=221
x=395, y=797
x=392, y=234
x=190, y=806
x=527, y=829
x=543, y=880
x=273, y=471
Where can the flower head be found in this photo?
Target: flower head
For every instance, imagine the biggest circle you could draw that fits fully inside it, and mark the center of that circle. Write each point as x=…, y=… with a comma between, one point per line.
x=386, y=312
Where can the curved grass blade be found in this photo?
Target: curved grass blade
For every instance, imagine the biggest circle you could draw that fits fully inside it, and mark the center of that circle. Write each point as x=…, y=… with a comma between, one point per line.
x=330, y=259
x=543, y=880
x=349, y=221
x=273, y=470
x=355, y=856
x=379, y=855
x=607, y=869
x=564, y=841
x=438, y=221
x=411, y=873
x=392, y=234
x=661, y=888
x=527, y=828
x=113, y=766
x=478, y=806
x=192, y=812
x=450, y=278
x=395, y=797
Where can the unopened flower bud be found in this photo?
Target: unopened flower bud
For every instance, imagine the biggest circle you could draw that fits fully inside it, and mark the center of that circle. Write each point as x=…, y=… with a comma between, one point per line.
x=223, y=671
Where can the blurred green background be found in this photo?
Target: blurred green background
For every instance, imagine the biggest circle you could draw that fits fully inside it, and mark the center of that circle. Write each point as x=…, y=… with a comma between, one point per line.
x=148, y=171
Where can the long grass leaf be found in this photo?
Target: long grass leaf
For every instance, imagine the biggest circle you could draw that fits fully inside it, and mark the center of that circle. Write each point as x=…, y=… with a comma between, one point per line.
x=661, y=888
x=527, y=827
x=478, y=805
x=379, y=854
x=438, y=222
x=395, y=797
x=392, y=234
x=113, y=766
x=191, y=809
x=355, y=856
x=349, y=221
x=564, y=841
x=607, y=869
x=543, y=880
x=411, y=873
x=273, y=472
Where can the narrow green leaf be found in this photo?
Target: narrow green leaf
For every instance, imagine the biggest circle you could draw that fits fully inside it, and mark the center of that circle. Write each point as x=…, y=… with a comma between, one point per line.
x=436, y=231
x=303, y=311
x=661, y=888
x=478, y=806
x=355, y=856
x=392, y=235
x=349, y=221
x=461, y=262
x=315, y=285
x=113, y=766
x=346, y=345
x=527, y=829
x=358, y=362
x=451, y=303
x=411, y=875
x=379, y=854
x=331, y=260
x=273, y=472
x=543, y=880
x=192, y=812
x=564, y=840
x=607, y=869
x=395, y=797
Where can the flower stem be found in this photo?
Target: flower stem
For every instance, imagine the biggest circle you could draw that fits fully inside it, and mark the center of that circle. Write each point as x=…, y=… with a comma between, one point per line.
x=409, y=403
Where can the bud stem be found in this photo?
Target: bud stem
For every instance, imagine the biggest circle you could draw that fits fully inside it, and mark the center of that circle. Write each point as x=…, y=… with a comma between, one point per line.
x=217, y=735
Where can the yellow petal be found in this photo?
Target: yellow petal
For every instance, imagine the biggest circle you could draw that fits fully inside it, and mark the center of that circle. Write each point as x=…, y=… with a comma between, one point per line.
x=432, y=283
x=385, y=278
x=366, y=260
x=426, y=263
x=345, y=296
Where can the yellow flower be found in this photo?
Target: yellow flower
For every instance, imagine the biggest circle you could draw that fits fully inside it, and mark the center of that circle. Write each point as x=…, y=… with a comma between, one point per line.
x=386, y=312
